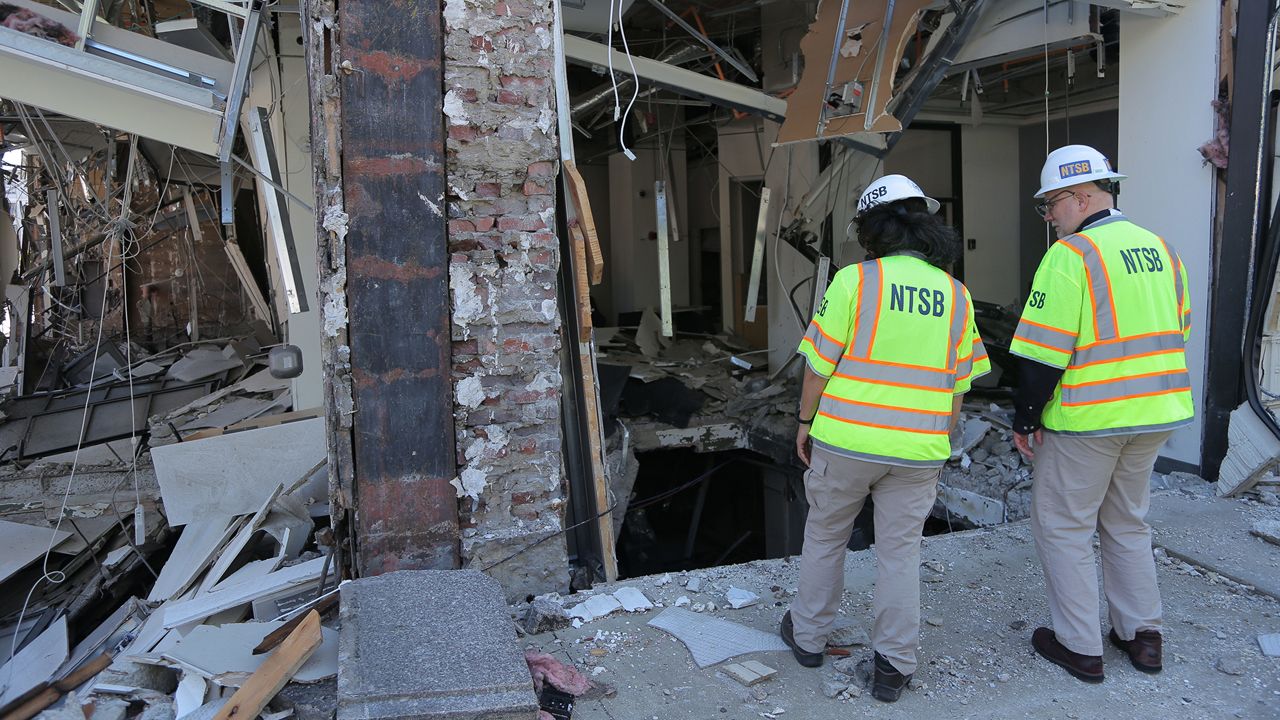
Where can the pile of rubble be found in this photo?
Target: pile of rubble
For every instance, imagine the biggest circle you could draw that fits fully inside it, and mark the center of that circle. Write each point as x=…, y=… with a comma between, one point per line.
x=102, y=614
x=987, y=481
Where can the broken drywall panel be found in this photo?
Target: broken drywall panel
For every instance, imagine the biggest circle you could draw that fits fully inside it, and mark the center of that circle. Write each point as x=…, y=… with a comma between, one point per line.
x=232, y=474
x=872, y=69
x=203, y=362
x=980, y=510
x=1251, y=451
x=704, y=438
x=194, y=551
x=38, y=662
x=242, y=593
x=231, y=412
x=127, y=619
x=711, y=640
x=224, y=655
x=85, y=529
x=291, y=529
x=229, y=554
x=192, y=690
x=24, y=543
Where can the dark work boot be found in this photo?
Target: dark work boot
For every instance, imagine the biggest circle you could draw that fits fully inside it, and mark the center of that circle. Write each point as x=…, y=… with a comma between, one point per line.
x=804, y=657
x=888, y=683
x=1084, y=667
x=1144, y=650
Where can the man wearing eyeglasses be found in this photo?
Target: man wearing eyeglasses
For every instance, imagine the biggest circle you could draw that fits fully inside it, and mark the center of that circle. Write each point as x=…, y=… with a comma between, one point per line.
x=1103, y=382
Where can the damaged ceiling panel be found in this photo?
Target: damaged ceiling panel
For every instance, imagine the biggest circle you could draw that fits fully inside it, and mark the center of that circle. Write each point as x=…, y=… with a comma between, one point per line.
x=859, y=69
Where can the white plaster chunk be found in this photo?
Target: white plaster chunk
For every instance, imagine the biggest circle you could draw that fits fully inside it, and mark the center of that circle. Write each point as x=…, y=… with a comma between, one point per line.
x=335, y=303
x=544, y=381
x=632, y=599
x=455, y=108
x=544, y=37
x=471, y=483
x=336, y=221
x=739, y=598
x=470, y=392
x=467, y=306
x=549, y=310
x=597, y=606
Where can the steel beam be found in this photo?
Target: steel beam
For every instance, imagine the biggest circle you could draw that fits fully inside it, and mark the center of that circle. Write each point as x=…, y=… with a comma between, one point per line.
x=397, y=264
x=55, y=238
x=1235, y=247
x=235, y=99
x=685, y=82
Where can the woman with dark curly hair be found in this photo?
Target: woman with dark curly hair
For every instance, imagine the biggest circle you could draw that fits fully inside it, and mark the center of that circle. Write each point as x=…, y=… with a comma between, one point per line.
x=891, y=352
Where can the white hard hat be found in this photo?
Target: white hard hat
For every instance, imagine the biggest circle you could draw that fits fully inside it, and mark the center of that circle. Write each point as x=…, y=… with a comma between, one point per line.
x=891, y=188
x=1073, y=165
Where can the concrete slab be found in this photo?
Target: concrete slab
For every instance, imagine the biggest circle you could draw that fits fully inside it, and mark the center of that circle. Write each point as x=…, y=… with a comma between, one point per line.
x=987, y=596
x=1215, y=535
x=430, y=644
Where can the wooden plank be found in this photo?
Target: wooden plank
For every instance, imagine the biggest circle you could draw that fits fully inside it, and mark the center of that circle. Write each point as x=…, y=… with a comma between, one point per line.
x=263, y=685
x=591, y=400
x=45, y=694
x=582, y=206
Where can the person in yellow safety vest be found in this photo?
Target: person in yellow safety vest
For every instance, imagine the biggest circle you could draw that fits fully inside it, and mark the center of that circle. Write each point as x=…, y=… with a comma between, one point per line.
x=891, y=351
x=1102, y=384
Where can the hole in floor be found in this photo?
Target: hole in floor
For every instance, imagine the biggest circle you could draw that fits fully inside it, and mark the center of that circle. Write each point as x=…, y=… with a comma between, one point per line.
x=694, y=510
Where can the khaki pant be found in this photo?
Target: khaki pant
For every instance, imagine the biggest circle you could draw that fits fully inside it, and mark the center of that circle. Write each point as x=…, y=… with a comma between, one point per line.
x=1103, y=483
x=836, y=488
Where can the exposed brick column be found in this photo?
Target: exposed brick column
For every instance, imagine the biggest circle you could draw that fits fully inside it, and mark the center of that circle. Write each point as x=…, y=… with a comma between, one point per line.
x=501, y=166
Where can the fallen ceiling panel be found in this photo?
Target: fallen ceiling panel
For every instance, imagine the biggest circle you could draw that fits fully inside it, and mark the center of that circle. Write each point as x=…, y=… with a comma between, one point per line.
x=685, y=82
x=123, y=80
x=1014, y=29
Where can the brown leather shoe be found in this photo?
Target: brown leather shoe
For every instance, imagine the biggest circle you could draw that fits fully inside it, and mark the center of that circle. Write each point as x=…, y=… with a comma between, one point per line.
x=1084, y=667
x=1144, y=650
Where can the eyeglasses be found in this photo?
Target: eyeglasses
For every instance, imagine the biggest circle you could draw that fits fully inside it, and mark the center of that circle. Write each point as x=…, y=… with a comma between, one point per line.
x=1044, y=208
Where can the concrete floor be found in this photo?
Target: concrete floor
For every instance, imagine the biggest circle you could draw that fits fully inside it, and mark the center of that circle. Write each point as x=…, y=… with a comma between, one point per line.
x=976, y=658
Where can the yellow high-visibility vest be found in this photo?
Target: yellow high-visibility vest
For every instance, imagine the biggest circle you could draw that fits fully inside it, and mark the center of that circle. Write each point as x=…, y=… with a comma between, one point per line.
x=1110, y=306
x=896, y=340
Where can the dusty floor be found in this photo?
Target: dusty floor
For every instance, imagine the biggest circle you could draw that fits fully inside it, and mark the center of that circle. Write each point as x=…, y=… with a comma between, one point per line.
x=976, y=660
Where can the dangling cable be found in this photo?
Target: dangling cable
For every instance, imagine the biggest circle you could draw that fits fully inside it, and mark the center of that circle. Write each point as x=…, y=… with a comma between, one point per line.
x=635, y=88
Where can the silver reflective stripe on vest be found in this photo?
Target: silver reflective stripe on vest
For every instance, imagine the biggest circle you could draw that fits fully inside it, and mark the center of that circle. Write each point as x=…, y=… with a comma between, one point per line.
x=1105, y=312
x=1125, y=388
x=871, y=457
x=1059, y=340
x=868, y=305
x=960, y=314
x=1127, y=348
x=830, y=350
x=965, y=367
x=855, y=369
x=1130, y=430
x=883, y=416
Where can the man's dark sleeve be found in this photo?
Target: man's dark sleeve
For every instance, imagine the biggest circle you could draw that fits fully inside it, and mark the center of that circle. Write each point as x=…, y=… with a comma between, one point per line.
x=1036, y=383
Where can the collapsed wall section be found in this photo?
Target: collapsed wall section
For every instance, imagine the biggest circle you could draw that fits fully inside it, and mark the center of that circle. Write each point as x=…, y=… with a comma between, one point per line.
x=501, y=149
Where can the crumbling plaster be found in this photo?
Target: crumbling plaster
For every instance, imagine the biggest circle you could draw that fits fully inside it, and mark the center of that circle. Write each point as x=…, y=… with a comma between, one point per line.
x=501, y=151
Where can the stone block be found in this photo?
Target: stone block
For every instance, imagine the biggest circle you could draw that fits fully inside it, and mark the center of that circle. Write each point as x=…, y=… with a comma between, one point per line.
x=430, y=644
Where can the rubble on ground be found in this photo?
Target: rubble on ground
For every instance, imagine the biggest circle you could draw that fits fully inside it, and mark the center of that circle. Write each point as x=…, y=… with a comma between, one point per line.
x=146, y=591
